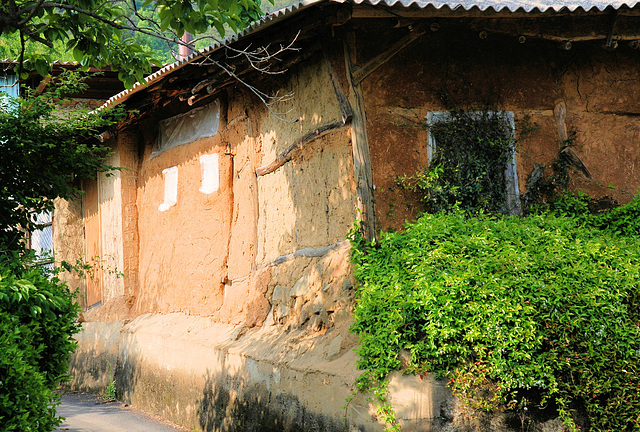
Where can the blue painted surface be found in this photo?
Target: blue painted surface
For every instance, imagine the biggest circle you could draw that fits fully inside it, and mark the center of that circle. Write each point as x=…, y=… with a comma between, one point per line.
x=9, y=85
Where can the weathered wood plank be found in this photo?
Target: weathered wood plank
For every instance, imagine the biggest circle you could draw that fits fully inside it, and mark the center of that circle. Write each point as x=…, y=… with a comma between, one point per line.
x=360, y=144
x=560, y=113
x=346, y=112
x=297, y=145
x=361, y=73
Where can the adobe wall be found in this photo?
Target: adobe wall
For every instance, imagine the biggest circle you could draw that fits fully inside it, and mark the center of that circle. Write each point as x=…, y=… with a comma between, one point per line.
x=238, y=303
x=182, y=252
x=69, y=237
x=110, y=193
x=598, y=87
x=68, y=241
x=242, y=301
x=68, y=226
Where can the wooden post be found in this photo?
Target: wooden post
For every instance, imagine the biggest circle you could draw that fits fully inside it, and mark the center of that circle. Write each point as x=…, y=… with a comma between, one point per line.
x=359, y=143
x=560, y=113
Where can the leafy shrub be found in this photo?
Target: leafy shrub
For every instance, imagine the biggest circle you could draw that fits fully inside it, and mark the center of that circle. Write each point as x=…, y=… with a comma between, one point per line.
x=507, y=308
x=37, y=321
x=621, y=221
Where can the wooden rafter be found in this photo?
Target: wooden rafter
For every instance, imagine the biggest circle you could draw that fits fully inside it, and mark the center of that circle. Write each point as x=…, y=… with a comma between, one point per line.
x=361, y=73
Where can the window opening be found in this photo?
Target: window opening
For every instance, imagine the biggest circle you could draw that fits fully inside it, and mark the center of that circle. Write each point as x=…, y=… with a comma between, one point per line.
x=466, y=140
x=188, y=127
x=41, y=239
x=9, y=88
x=170, y=188
x=210, y=173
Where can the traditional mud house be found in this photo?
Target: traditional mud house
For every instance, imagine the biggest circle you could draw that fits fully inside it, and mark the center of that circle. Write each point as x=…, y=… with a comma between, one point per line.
x=223, y=292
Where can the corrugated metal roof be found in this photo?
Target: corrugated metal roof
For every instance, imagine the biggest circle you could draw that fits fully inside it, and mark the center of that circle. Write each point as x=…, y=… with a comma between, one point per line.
x=263, y=23
x=279, y=15
x=55, y=63
x=511, y=5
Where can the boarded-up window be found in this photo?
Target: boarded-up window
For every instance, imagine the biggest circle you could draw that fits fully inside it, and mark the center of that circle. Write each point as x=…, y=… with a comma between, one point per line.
x=209, y=167
x=185, y=128
x=93, y=232
x=170, y=188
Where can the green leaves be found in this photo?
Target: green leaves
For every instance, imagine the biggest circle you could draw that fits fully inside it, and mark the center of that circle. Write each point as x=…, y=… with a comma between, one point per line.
x=95, y=30
x=37, y=321
x=510, y=307
x=44, y=157
x=467, y=170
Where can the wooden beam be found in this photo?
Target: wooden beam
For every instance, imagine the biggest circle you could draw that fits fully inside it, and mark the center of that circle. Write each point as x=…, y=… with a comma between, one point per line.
x=297, y=145
x=346, y=112
x=360, y=144
x=559, y=38
x=560, y=113
x=361, y=73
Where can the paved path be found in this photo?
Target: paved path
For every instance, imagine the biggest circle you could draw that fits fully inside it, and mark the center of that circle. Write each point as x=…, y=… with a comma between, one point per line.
x=88, y=413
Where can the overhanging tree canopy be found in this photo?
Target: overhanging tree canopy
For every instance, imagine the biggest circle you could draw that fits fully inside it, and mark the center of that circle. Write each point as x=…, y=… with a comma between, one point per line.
x=100, y=33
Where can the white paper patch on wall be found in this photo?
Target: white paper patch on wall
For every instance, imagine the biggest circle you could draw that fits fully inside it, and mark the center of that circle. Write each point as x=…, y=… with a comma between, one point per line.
x=210, y=173
x=185, y=128
x=170, y=188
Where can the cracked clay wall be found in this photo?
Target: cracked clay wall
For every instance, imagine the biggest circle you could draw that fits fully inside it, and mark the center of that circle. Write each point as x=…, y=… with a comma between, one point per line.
x=454, y=68
x=236, y=304
x=241, y=305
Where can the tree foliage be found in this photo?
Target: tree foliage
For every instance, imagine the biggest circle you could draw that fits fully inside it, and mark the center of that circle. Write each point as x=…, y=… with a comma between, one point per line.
x=101, y=33
x=46, y=152
x=38, y=318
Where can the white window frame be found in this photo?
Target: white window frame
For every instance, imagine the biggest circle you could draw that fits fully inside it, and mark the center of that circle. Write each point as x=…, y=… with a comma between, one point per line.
x=43, y=260
x=510, y=174
x=187, y=127
x=170, y=177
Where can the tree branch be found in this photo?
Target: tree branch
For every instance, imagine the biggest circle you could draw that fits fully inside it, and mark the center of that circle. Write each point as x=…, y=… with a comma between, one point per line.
x=36, y=37
x=34, y=10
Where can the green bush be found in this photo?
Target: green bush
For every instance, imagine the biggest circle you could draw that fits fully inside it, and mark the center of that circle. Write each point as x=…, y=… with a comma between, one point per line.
x=515, y=312
x=37, y=321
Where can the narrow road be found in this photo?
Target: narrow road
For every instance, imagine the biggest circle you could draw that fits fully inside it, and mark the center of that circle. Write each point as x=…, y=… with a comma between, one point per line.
x=88, y=413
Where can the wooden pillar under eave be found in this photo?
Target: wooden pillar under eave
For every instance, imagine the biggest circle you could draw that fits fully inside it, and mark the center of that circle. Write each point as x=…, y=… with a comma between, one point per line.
x=360, y=143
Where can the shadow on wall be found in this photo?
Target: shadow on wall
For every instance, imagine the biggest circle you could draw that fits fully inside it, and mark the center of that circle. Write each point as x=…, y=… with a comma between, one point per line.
x=227, y=405
x=126, y=373
x=233, y=393
x=94, y=368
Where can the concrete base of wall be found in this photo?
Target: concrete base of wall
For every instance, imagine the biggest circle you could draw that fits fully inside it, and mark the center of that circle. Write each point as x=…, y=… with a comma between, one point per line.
x=209, y=376
x=217, y=377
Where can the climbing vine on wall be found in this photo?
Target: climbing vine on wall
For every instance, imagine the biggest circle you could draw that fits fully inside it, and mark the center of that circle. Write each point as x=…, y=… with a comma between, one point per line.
x=467, y=168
